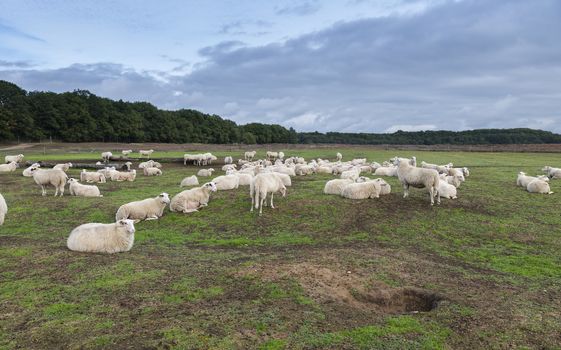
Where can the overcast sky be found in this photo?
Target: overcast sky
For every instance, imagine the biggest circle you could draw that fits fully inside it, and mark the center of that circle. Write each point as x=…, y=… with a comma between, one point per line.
x=348, y=65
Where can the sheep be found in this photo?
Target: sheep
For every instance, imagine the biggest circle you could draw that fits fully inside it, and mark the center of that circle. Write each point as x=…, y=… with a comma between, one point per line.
x=226, y=182
x=64, y=167
x=17, y=159
x=459, y=172
x=358, y=161
x=446, y=189
x=553, y=173
x=205, y=172
x=193, y=199
x=282, y=169
x=189, y=181
x=208, y=158
x=53, y=177
x=339, y=156
x=126, y=152
x=102, y=238
x=302, y=169
x=249, y=155
x=92, y=177
x=3, y=209
x=146, y=209
x=105, y=156
x=127, y=166
x=244, y=179
x=228, y=160
x=229, y=167
x=272, y=155
x=362, y=190
x=409, y=175
x=336, y=186
x=152, y=172
x=385, y=187
x=261, y=186
x=77, y=189
x=146, y=153
x=523, y=180
x=352, y=174
x=284, y=178
x=8, y=168
x=324, y=169
x=538, y=186
x=147, y=164
x=455, y=180
x=27, y=172
x=107, y=171
x=386, y=171
x=281, y=156
x=123, y=176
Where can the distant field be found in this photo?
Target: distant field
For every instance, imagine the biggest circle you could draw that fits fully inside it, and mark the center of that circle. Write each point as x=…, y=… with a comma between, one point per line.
x=317, y=272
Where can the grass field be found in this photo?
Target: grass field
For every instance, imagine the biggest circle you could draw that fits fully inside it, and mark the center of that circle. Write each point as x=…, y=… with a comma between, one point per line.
x=318, y=272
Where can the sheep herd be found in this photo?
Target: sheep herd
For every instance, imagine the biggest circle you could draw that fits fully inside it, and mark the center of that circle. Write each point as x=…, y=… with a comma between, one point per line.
x=264, y=177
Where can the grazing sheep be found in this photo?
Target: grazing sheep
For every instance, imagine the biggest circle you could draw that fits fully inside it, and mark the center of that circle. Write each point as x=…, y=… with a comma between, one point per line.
x=205, y=172
x=64, y=167
x=445, y=189
x=92, y=177
x=189, y=181
x=553, y=173
x=126, y=152
x=17, y=159
x=226, y=182
x=339, y=156
x=54, y=177
x=102, y=238
x=152, y=172
x=249, y=155
x=193, y=199
x=538, y=186
x=228, y=160
x=261, y=186
x=146, y=153
x=8, y=168
x=146, y=209
x=362, y=190
x=523, y=180
x=27, y=172
x=336, y=186
x=409, y=175
x=106, y=156
x=123, y=176
x=77, y=189
x=3, y=209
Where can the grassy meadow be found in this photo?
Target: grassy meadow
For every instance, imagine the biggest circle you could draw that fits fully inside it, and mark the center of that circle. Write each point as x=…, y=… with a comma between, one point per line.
x=317, y=272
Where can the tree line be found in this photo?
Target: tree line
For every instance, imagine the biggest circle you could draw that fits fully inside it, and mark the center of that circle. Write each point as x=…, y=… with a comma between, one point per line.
x=81, y=116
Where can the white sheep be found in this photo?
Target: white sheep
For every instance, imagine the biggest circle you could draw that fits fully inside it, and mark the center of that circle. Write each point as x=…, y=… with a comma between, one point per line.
x=229, y=167
x=352, y=174
x=385, y=187
x=54, y=177
x=64, y=167
x=261, y=186
x=146, y=153
x=226, y=182
x=281, y=156
x=92, y=177
x=228, y=160
x=446, y=189
x=127, y=166
x=77, y=189
x=553, y=173
x=339, y=156
x=244, y=179
x=126, y=152
x=386, y=171
x=27, y=172
x=523, y=180
x=107, y=171
x=362, y=190
x=249, y=155
x=272, y=155
x=102, y=238
x=106, y=156
x=538, y=186
x=336, y=186
x=324, y=169
x=302, y=169
x=409, y=175
x=147, y=164
x=17, y=159
x=189, y=181
x=205, y=172
x=285, y=178
x=152, y=172
x=193, y=199
x=123, y=176
x=8, y=168
x=146, y=209
x=455, y=180
x=3, y=209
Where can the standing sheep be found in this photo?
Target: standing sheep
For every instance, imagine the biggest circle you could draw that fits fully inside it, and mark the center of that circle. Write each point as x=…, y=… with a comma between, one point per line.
x=147, y=209
x=205, y=172
x=102, y=238
x=409, y=175
x=228, y=160
x=261, y=186
x=54, y=177
x=106, y=156
x=126, y=152
x=146, y=153
x=152, y=172
x=3, y=209
x=8, y=168
x=189, y=181
x=339, y=156
x=64, y=167
x=193, y=199
x=77, y=189
x=249, y=155
x=17, y=159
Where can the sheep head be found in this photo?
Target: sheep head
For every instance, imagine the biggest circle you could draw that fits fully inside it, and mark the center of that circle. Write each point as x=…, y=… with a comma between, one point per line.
x=128, y=225
x=164, y=198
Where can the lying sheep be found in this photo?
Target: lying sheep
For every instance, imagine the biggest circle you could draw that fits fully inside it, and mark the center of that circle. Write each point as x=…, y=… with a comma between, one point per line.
x=146, y=209
x=205, y=172
x=553, y=173
x=386, y=171
x=324, y=169
x=3, y=209
x=249, y=155
x=228, y=160
x=385, y=187
x=362, y=190
x=445, y=189
x=523, y=180
x=229, y=167
x=77, y=189
x=123, y=176
x=336, y=186
x=339, y=156
x=106, y=156
x=244, y=179
x=127, y=166
x=102, y=238
x=302, y=169
x=92, y=177
x=452, y=180
x=193, y=199
x=146, y=153
x=107, y=171
x=261, y=186
x=64, y=167
x=189, y=181
x=17, y=159
x=409, y=175
x=148, y=164
x=352, y=174
x=8, y=168
x=538, y=186
x=54, y=177
x=28, y=173
x=152, y=172
x=126, y=152
x=226, y=182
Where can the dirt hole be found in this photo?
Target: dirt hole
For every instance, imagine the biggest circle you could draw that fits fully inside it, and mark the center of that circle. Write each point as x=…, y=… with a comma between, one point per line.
x=400, y=300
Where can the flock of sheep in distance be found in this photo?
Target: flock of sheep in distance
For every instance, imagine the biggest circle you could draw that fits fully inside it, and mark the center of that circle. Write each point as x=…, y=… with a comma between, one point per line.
x=265, y=177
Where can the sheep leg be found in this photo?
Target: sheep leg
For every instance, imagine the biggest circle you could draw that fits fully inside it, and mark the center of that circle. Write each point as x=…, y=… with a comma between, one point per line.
x=62, y=190
x=272, y=206
x=438, y=196
x=405, y=190
x=43, y=191
x=261, y=206
x=432, y=194
x=153, y=217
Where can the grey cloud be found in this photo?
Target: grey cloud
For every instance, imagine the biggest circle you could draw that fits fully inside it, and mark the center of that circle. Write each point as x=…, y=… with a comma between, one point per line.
x=245, y=27
x=16, y=64
x=11, y=31
x=299, y=8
